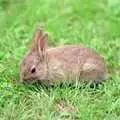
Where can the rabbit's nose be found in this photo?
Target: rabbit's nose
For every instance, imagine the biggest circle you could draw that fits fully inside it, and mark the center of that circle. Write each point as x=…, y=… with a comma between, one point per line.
x=23, y=80
x=22, y=77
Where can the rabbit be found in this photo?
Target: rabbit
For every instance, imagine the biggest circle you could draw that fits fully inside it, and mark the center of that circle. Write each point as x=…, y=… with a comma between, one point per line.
x=67, y=63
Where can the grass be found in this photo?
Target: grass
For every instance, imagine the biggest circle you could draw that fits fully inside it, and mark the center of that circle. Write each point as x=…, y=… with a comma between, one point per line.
x=96, y=24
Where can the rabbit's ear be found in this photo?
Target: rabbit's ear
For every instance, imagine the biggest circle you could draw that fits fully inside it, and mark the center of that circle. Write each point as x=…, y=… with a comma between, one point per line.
x=36, y=36
x=43, y=43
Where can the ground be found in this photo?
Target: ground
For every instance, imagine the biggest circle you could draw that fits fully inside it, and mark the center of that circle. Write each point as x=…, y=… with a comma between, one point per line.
x=93, y=23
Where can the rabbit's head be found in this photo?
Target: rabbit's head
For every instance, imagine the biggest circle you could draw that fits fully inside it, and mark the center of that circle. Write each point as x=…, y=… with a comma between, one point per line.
x=34, y=65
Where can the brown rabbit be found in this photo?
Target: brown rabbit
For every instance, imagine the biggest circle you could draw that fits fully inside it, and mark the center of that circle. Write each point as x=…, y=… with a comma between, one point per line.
x=59, y=64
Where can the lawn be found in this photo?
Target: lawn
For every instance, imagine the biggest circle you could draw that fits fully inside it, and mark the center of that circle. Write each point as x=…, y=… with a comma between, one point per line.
x=93, y=23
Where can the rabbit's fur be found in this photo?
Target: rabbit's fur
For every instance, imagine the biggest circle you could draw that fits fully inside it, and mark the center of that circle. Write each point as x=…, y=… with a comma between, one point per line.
x=59, y=64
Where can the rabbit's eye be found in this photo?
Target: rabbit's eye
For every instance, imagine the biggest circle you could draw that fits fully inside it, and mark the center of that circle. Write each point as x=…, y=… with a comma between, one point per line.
x=33, y=70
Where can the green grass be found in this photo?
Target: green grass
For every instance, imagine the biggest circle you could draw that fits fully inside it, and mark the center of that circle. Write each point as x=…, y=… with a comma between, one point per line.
x=94, y=23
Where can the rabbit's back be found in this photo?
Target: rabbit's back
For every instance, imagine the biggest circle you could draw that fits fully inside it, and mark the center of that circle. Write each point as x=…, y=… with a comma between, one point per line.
x=78, y=61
